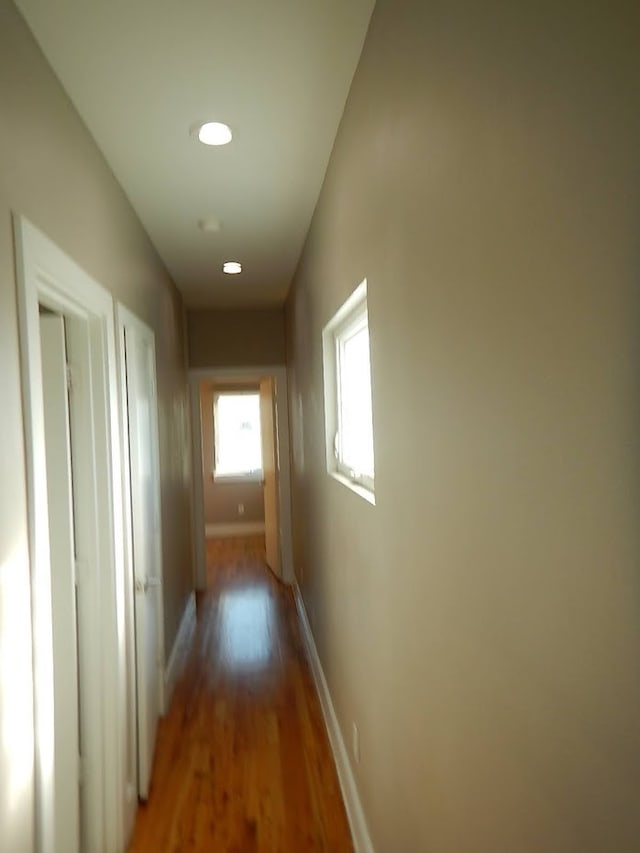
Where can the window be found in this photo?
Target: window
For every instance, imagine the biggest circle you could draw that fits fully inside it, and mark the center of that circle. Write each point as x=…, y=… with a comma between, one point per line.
x=347, y=386
x=238, y=445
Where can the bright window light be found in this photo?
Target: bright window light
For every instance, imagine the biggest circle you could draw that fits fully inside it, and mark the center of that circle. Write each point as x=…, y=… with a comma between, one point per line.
x=238, y=443
x=348, y=405
x=355, y=427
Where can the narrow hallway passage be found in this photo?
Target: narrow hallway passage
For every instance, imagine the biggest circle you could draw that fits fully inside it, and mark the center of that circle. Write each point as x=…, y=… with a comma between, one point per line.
x=243, y=762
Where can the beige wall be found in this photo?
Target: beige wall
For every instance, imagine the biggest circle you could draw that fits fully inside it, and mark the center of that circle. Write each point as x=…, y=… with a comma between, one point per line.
x=221, y=499
x=51, y=171
x=481, y=623
x=236, y=337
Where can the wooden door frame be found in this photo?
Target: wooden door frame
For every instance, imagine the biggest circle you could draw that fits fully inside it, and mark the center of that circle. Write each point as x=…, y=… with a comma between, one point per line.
x=47, y=276
x=126, y=319
x=279, y=375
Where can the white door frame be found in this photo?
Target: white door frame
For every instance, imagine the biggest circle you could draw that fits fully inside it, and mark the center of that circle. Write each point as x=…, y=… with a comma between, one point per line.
x=65, y=594
x=47, y=276
x=279, y=374
x=126, y=319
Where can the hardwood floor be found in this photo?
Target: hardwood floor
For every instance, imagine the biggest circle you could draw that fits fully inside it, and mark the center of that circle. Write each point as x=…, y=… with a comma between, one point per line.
x=243, y=762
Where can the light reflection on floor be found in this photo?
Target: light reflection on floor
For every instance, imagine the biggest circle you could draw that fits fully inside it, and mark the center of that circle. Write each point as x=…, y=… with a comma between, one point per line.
x=246, y=628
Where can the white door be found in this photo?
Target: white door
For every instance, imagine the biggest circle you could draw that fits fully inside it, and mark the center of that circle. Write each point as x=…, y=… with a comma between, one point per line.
x=49, y=281
x=146, y=540
x=63, y=587
x=270, y=472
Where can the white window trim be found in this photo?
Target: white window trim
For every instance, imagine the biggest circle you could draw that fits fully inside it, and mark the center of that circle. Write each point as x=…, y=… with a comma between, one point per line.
x=352, y=315
x=233, y=477
x=256, y=477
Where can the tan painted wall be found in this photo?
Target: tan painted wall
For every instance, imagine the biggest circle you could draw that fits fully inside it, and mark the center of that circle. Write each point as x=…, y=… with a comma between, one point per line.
x=51, y=171
x=236, y=337
x=481, y=623
x=221, y=499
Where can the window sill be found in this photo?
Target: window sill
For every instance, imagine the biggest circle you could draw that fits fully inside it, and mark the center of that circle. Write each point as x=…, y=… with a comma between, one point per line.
x=367, y=494
x=235, y=479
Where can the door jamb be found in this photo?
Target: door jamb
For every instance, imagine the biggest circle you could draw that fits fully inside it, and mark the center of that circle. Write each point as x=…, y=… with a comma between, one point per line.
x=279, y=374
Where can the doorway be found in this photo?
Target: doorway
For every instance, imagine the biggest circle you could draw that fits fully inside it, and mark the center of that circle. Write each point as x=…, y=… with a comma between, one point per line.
x=258, y=501
x=73, y=489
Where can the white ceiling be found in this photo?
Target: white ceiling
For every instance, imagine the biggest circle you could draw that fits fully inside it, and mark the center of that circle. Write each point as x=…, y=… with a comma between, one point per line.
x=142, y=72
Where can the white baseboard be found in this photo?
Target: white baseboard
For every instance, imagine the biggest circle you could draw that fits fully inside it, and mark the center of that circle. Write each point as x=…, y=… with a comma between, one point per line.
x=187, y=625
x=355, y=814
x=240, y=528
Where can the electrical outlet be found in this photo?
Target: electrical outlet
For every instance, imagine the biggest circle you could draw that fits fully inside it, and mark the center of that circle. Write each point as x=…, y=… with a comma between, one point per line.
x=240, y=509
x=356, y=744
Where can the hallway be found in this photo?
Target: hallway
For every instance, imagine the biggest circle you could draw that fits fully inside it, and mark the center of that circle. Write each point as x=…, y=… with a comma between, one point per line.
x=243, y=762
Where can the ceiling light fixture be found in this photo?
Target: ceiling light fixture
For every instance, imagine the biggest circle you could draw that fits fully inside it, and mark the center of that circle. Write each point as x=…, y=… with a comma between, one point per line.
x=232, y=267
x=214, y=133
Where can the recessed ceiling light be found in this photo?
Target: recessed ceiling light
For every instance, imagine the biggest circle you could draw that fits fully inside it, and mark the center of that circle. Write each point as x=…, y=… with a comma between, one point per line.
x=210, y=225
x=214, y=133
x=232, y=267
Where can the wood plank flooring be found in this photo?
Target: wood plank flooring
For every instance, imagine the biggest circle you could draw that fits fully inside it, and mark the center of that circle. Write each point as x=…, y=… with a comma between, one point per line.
x=243, y=763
